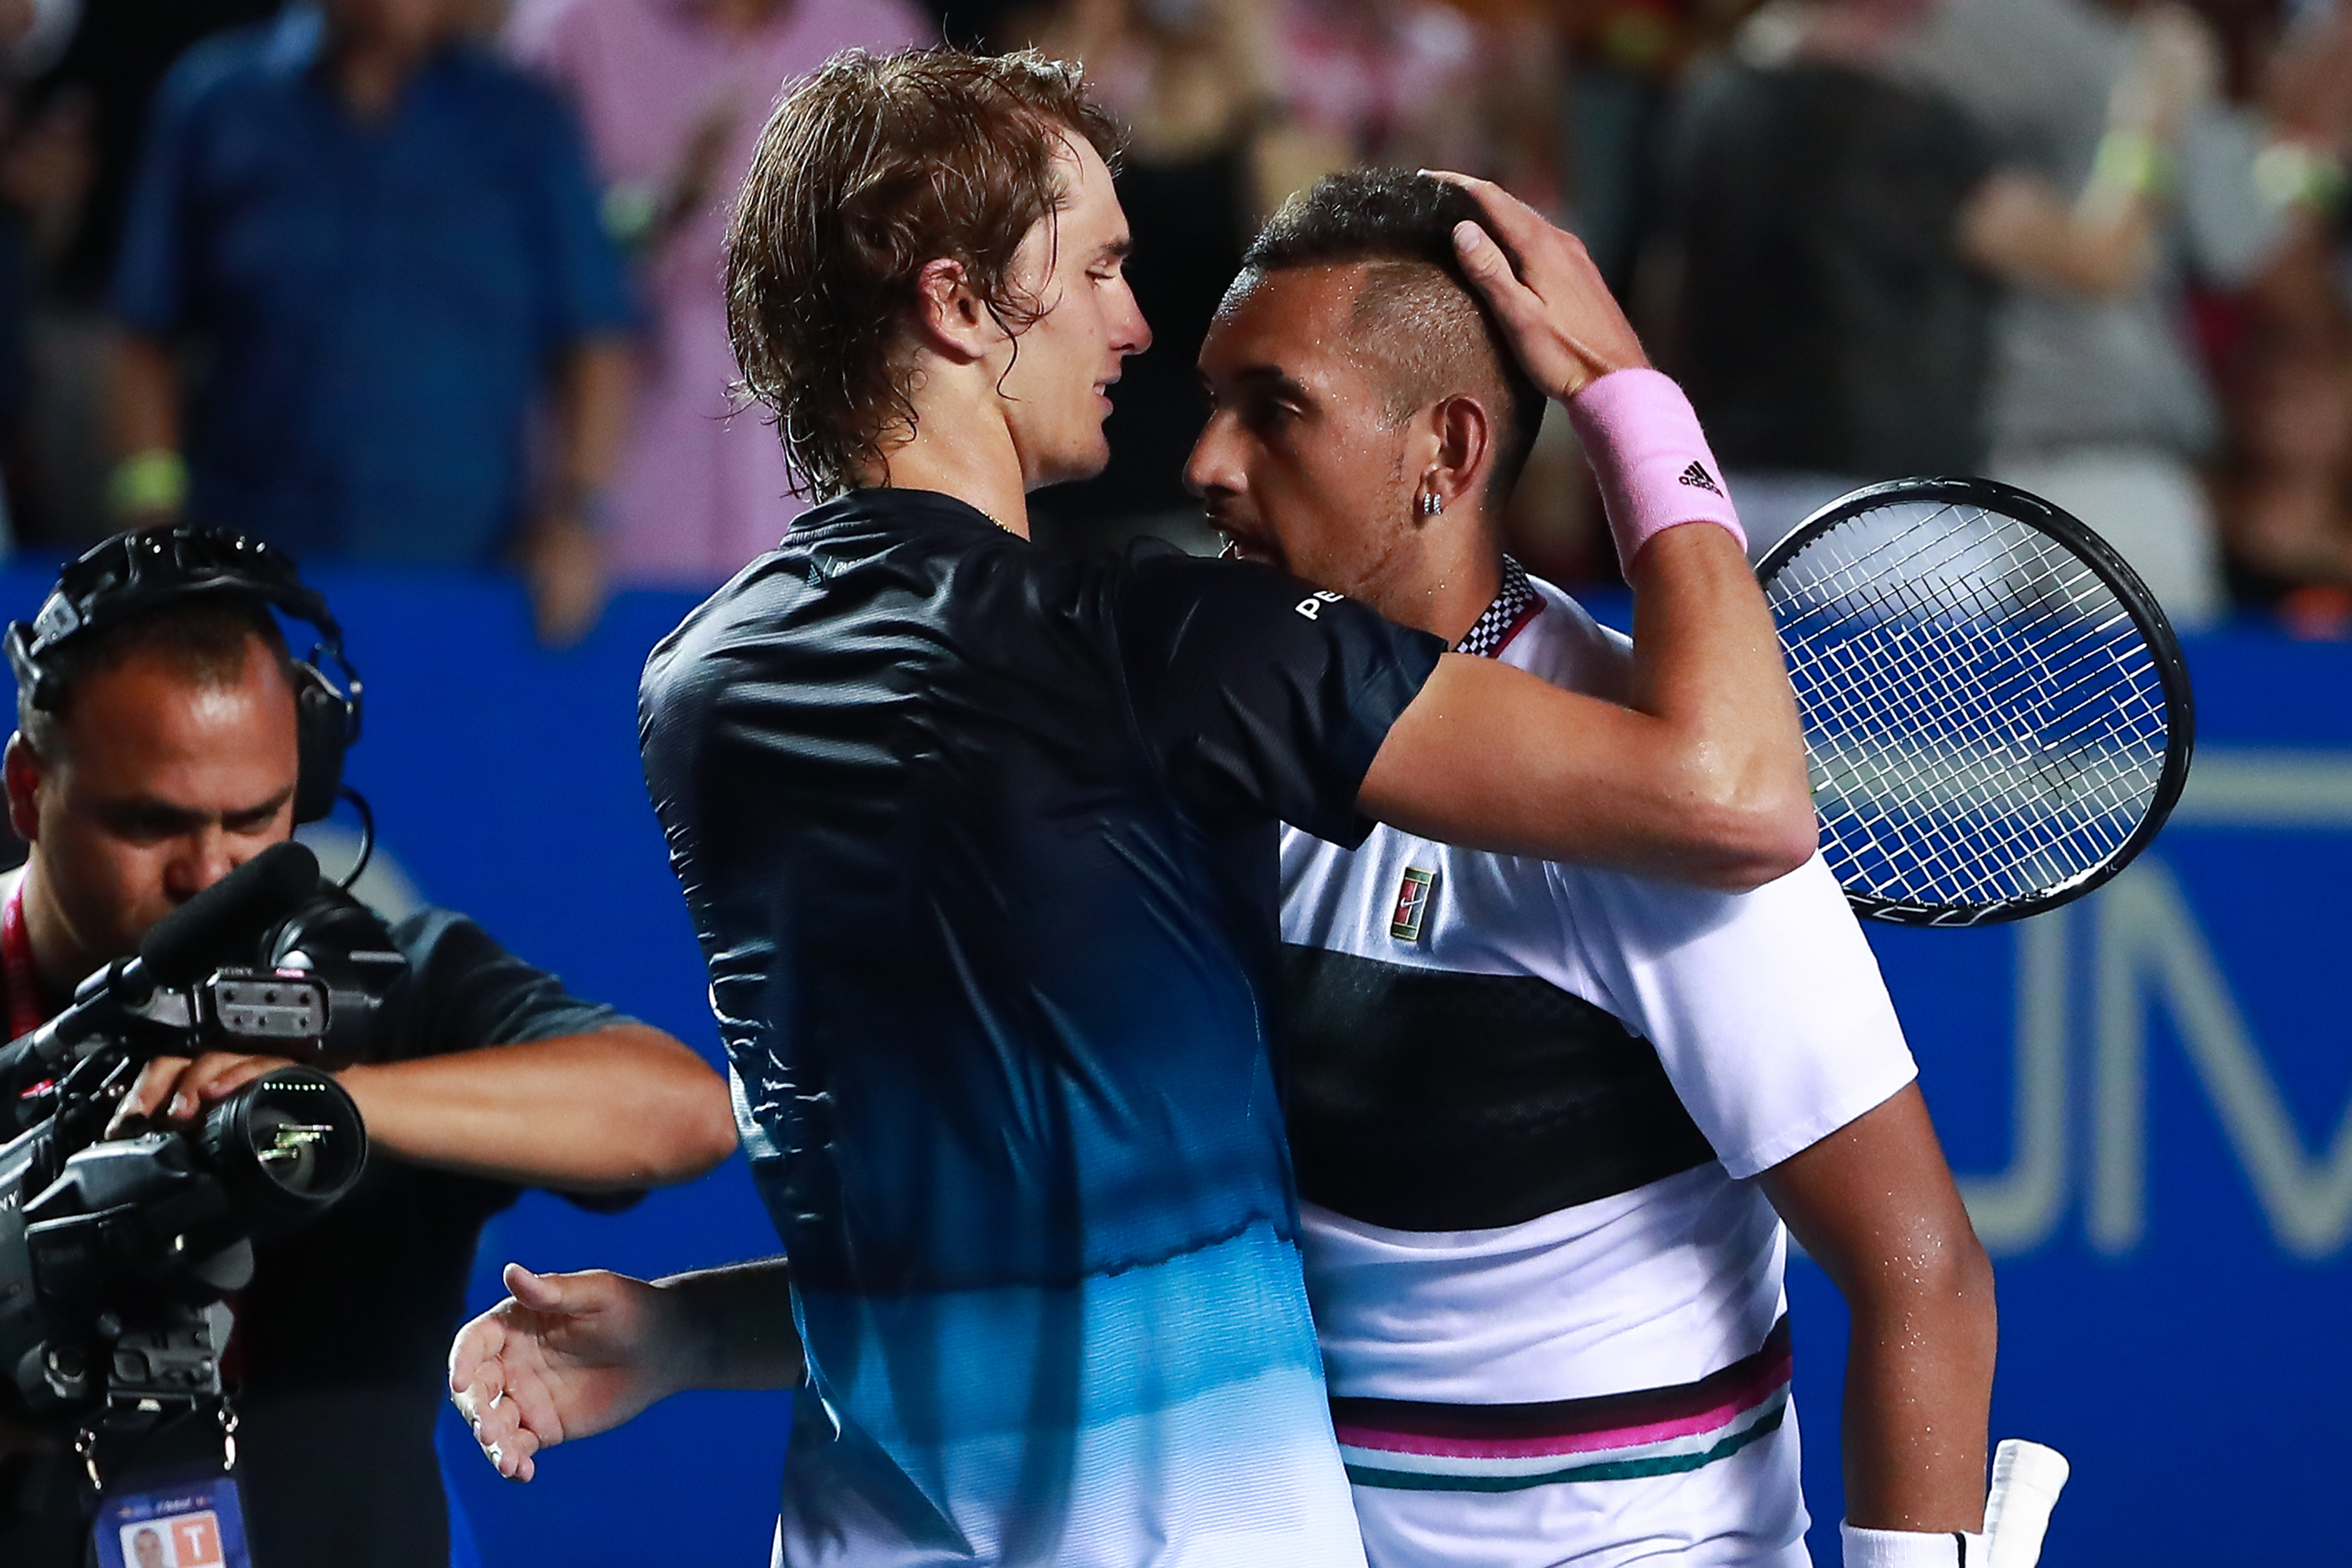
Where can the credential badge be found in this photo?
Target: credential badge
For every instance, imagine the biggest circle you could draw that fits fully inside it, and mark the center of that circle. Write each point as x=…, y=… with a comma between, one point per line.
x=1412, y=904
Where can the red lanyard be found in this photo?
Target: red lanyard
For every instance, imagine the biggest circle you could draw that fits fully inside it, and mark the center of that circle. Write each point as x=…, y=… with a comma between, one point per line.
x=25, y=1014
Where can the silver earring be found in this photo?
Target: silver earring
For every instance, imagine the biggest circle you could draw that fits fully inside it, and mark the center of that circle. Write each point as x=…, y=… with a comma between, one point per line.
x=1431, y=504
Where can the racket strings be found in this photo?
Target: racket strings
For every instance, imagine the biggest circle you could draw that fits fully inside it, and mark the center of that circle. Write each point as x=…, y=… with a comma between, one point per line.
x=1984, y=720
x=1943, y=858
x=1983, y=758
x=1950, y=681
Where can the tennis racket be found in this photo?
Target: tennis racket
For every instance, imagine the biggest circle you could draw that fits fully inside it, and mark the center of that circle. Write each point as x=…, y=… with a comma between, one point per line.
x=1997, y=712
x=2026, y=1480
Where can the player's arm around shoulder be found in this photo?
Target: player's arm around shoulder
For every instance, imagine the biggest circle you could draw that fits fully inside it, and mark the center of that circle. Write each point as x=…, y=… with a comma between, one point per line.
x=1701, y=777
x=1875, y=1205
x=1700, y=781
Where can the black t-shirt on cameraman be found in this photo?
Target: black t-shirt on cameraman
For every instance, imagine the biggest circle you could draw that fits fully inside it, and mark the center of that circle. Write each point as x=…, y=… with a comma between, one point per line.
x=343, y=1337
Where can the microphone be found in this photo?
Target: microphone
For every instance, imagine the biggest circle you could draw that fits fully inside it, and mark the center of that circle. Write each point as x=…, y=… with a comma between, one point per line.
x=223, y=921
x=219, y=925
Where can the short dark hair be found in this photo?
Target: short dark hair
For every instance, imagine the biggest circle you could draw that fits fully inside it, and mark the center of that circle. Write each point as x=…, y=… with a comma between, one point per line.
x=208, y=641
x=871, y=168
x=1417, y=305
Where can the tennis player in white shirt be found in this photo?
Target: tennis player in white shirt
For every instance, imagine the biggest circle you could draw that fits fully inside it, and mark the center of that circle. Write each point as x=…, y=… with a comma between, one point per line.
x=1554, y=1126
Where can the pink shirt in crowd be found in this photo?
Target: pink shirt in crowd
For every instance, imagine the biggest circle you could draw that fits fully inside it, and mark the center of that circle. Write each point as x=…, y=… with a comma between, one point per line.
x=703, y=486
x=1390, y=80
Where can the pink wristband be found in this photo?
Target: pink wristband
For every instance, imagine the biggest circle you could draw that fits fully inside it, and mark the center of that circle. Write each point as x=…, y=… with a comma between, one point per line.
x=1645, y=448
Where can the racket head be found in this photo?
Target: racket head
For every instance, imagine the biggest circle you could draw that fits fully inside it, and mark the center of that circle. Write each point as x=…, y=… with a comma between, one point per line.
x=1989, y=580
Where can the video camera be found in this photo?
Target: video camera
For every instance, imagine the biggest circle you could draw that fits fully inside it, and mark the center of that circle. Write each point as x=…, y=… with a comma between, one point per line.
x=116, y=1251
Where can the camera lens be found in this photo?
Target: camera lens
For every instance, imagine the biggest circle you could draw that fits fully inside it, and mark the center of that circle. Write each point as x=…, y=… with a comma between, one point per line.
x=288, y=1144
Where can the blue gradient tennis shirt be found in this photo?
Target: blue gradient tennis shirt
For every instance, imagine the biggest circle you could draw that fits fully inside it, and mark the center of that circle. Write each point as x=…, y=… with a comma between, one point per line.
x=377, y=303
x=980, y=842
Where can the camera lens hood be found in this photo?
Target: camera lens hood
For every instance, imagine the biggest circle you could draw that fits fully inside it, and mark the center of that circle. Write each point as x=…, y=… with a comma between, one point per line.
x=285, y=1146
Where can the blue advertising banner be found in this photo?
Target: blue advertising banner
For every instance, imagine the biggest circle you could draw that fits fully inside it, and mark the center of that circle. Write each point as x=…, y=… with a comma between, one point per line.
x=2145, y=1096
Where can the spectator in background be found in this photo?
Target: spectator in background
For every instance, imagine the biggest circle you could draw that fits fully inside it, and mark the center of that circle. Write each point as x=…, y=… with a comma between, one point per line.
x=68, y=172
x=1842, y=232
x=2097, y=400
x=673, y=94
x=387, y=244
x=31, y=33
x=1616, y=100
x=1381, y=81
x=1419, y=84
x=2288, y=499
x=117, y=56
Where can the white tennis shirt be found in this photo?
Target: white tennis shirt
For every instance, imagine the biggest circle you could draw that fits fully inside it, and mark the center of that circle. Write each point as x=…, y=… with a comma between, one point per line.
x=1604, y=1375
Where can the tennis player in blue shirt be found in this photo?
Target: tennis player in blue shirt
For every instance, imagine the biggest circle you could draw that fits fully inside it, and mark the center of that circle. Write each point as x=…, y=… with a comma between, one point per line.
x=980, y=842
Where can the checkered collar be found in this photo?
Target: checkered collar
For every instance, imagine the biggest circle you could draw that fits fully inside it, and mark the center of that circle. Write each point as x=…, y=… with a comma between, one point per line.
x=1515, y=605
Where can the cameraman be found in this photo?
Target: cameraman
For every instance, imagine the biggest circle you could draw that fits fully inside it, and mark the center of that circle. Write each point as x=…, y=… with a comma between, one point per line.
x=163, y=754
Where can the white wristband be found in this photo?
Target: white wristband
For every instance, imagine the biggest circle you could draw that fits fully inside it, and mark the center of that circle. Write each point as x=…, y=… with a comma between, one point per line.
x=1913, y=1548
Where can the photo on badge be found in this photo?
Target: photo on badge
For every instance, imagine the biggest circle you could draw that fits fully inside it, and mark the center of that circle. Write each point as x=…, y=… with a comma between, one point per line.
x=180, y=1521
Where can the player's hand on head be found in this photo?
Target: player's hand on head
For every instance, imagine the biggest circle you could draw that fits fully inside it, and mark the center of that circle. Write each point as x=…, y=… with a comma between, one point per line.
x=1562, y=320
x=564, y=1356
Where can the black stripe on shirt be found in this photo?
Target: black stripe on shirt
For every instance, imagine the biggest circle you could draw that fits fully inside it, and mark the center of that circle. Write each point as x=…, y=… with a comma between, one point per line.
x=1425, y=1099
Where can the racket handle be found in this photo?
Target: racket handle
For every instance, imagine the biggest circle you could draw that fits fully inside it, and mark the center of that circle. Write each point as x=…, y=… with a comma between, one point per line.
x=2026, y=1480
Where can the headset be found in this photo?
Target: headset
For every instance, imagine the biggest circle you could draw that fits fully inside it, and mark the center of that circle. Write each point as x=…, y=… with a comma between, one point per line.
x=131, y=574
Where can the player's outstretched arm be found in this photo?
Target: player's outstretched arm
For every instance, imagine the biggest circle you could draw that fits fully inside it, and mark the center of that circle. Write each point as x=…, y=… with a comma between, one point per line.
x=570, y=1356
x=1702, y=779
x=1875, y=1205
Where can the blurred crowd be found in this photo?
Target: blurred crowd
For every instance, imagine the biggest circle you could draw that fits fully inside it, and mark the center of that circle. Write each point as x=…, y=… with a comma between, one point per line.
x=437, y=282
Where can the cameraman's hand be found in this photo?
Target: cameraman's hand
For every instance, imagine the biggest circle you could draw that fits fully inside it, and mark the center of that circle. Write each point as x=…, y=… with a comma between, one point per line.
x=566, y=1355
x=178, y=1089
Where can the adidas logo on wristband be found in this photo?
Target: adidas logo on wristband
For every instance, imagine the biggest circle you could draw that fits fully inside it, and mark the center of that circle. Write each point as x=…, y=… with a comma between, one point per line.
x=1695, y=477
x=1636, y=419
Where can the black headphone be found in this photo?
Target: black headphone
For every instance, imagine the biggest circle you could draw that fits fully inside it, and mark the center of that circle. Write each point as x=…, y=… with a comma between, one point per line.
x=124, y=576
